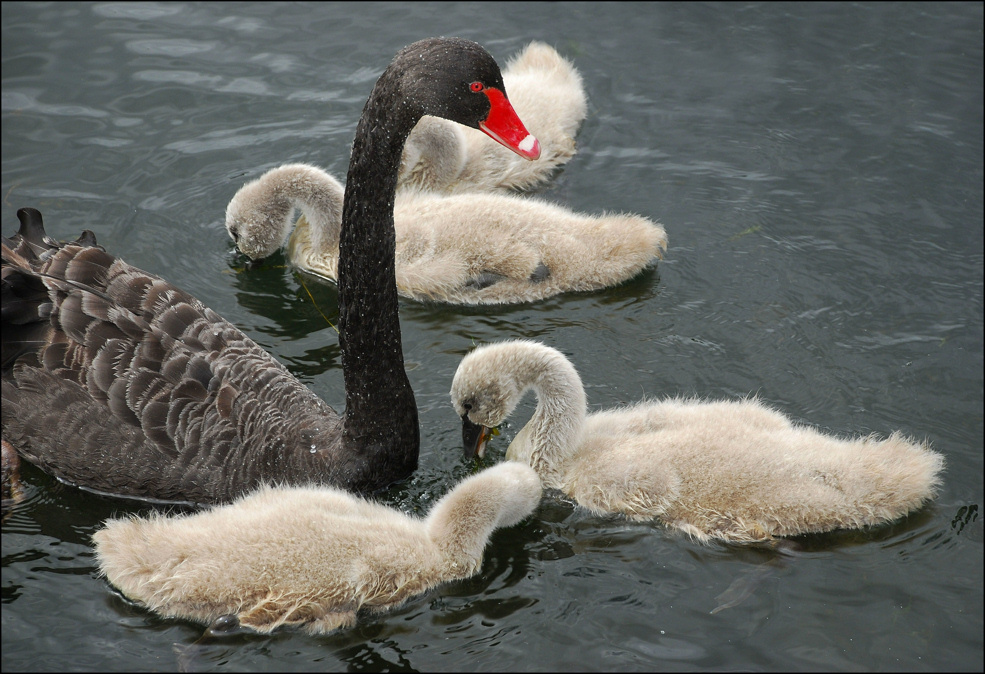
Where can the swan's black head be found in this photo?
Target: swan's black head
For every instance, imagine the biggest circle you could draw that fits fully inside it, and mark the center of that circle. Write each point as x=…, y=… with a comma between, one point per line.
x=457, y=79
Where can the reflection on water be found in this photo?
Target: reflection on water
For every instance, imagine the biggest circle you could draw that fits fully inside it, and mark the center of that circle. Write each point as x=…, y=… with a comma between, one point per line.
x=298, y=303
x=818, y=169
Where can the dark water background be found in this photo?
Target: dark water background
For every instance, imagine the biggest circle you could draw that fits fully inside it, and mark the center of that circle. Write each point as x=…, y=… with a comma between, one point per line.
x=819, y=172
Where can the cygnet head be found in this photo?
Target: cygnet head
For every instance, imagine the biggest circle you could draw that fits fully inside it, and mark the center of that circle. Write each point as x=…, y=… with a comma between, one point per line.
x=492, y=379
x=260, y=216
x=485, y=388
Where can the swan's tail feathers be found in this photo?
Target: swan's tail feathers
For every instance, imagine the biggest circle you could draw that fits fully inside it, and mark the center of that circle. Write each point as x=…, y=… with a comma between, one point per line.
x=656, y=235
x=634, y=238
x=64, y=289
x=911, y=470
x=626, y=245
x=43, y=280
x=22, y=289
x=26, y=305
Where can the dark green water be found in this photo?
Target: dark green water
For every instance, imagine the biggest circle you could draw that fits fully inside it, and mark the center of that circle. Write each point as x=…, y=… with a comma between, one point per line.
x=819, y=171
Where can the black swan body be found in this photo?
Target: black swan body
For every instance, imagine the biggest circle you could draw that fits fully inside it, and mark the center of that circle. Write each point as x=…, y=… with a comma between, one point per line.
x=116, y=381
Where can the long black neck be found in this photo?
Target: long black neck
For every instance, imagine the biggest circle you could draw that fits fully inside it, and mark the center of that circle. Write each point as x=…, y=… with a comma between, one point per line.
x=380, y=410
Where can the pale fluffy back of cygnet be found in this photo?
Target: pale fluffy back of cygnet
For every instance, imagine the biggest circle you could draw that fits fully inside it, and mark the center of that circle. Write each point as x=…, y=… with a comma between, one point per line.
x=733, y=470
x=481, y=248
x=309, y=557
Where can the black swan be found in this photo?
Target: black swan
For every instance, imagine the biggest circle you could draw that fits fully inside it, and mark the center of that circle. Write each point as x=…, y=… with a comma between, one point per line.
x=116, y=381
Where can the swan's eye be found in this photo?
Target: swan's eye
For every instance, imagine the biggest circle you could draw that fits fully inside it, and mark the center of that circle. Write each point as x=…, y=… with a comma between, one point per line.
x=476, y=86
x=467, y=406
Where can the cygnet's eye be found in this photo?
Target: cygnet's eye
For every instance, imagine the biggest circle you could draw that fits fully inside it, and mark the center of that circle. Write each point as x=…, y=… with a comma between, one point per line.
x=477, y=86
x=467, y=406
x=235, y=234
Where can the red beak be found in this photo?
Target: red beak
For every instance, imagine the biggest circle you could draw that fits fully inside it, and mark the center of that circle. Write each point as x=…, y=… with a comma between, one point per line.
x=504, y=127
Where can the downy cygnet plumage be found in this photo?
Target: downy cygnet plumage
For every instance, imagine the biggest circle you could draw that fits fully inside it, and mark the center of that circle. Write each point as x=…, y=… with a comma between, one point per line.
x=308, y=557
x=733, y=470
x=481, y=248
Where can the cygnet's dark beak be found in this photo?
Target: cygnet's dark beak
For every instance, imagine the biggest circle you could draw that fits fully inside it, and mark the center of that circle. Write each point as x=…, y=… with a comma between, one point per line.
x=474, y=438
